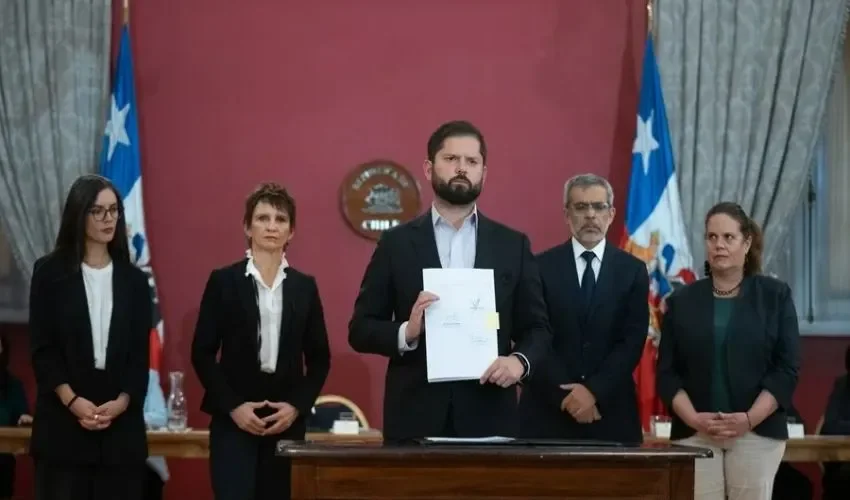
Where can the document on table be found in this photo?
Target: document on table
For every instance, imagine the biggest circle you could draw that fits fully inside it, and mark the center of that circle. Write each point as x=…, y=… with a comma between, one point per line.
x=461, y=327
x=479, y=440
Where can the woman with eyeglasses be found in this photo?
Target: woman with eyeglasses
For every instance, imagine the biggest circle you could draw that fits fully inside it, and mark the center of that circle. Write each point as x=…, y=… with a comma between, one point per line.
x=90, y=318
x=261, y=352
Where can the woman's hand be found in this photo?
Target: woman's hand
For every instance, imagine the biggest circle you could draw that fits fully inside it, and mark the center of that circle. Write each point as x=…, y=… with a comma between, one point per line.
x=97, y=418
x=95, y=423
x=111, y=409
x=25, y=419
x=729, y=425
x=82, y=408
x=703, y=422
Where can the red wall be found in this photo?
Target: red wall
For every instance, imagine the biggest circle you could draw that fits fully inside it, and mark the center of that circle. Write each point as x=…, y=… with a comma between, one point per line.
x=300, y=93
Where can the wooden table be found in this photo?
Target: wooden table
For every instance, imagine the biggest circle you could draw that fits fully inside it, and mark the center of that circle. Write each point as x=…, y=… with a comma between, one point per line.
x=195, y=444
x=189, y=444
x=807, y=449
x=361, y=471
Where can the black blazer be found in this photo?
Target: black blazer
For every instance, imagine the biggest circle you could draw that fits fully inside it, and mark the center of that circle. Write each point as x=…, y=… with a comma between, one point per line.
x=763, y=350
x=228, y=322
x=62, y=352
x=600, y=352
x=413, y=407
x=836, y=417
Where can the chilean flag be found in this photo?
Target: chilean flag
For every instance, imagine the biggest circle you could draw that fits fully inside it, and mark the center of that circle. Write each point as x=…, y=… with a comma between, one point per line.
x=121, y=164
x=654, y=226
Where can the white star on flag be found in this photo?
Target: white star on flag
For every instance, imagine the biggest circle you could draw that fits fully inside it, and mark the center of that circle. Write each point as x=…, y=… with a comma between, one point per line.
x=645, y=143
x=115, y=128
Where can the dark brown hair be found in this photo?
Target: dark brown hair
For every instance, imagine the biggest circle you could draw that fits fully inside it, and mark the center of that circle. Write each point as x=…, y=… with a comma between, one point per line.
x=458, y=128
x=71, y=240
x=748, y=227
x=273, y=194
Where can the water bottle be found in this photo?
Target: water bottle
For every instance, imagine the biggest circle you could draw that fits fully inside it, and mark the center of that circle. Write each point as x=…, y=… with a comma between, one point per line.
x=177, y=411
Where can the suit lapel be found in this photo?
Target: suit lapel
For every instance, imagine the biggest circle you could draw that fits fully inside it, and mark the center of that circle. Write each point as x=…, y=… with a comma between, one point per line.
x=484, y=245
x=121, y=300
x=570, y=277
x=424, y=242
x=285, y=340
x=569, y=293
x=246, y=289
x=81, y=306
x=702, y=317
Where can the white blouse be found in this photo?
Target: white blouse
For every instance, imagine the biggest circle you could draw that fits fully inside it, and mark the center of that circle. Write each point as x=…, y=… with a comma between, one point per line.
x=270, y=305
x=99, y=296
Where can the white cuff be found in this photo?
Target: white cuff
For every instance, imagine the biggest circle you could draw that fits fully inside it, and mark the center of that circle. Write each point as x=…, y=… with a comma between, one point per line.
x=403, y=346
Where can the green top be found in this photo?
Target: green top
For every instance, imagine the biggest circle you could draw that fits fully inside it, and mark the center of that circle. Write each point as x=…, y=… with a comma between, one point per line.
x=13, y=404
x=721, y=394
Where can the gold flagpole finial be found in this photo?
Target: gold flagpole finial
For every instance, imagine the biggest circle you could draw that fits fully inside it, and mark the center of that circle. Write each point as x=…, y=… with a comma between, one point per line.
x=648, y=16
x=126, y=11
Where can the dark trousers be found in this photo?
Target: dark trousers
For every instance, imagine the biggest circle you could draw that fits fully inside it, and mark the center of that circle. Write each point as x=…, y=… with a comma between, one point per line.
x=62, y=481
x=449, y=430
x=7, y=475
x=244, y=466
x=836, y=481
x=153, y=485
x=791, y=484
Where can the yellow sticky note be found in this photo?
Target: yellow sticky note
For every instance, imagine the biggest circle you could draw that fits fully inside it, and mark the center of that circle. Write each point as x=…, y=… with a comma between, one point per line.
x=492, y=321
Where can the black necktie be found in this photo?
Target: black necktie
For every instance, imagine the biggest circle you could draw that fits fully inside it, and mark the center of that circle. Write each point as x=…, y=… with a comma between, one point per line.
x=588, y=279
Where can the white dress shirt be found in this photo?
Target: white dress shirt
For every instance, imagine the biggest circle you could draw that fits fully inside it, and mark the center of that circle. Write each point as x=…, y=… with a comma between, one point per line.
x=581, y=264
x=98, y=283
x=270, y=305
x=456, y=248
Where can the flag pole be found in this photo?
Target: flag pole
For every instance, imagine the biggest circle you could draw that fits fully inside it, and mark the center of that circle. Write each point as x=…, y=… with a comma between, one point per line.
x=126, y=11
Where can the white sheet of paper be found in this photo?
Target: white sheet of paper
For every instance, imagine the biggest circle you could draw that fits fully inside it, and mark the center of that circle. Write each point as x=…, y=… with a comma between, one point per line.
x=489, y=439
x=461, y=327
x=796, y=431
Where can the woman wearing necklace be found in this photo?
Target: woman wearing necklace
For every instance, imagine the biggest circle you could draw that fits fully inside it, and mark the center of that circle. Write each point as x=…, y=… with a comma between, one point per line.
x=90, y=318
x=265, y=320
x=728, y=362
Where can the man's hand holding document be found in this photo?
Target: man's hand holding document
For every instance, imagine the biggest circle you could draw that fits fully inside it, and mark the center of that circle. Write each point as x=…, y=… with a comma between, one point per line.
x=462, y=325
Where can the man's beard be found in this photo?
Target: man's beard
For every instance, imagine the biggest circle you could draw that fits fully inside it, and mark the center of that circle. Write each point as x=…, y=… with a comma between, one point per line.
x=456, y=193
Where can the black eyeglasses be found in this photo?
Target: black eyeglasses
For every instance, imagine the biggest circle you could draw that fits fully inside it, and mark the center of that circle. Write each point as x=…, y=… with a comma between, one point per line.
x=99, y=213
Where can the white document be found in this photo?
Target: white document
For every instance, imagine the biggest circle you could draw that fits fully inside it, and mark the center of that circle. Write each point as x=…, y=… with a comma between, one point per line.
x=489, y=439
x=462, y=326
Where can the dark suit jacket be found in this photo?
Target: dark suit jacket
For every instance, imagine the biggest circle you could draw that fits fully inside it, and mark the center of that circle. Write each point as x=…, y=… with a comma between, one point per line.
x=836, y=422
x=762, y=350
x=413, y=407
x=62, y=353
x=228, y=322
x=600, y=352
x=836, y=417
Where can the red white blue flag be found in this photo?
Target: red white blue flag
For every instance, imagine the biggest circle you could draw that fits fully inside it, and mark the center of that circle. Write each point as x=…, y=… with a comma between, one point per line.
x=654, y=226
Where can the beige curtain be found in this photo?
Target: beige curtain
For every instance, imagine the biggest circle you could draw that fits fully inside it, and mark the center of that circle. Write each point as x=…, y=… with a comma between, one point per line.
x=54, y=71
x=836, y=174
x=746, y=84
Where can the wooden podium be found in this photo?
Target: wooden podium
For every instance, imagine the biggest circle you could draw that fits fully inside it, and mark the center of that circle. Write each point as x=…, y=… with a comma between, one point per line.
x=360, y=471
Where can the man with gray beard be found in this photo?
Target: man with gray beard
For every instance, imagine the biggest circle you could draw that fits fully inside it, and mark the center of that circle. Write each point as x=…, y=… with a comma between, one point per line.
x=596, y=296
